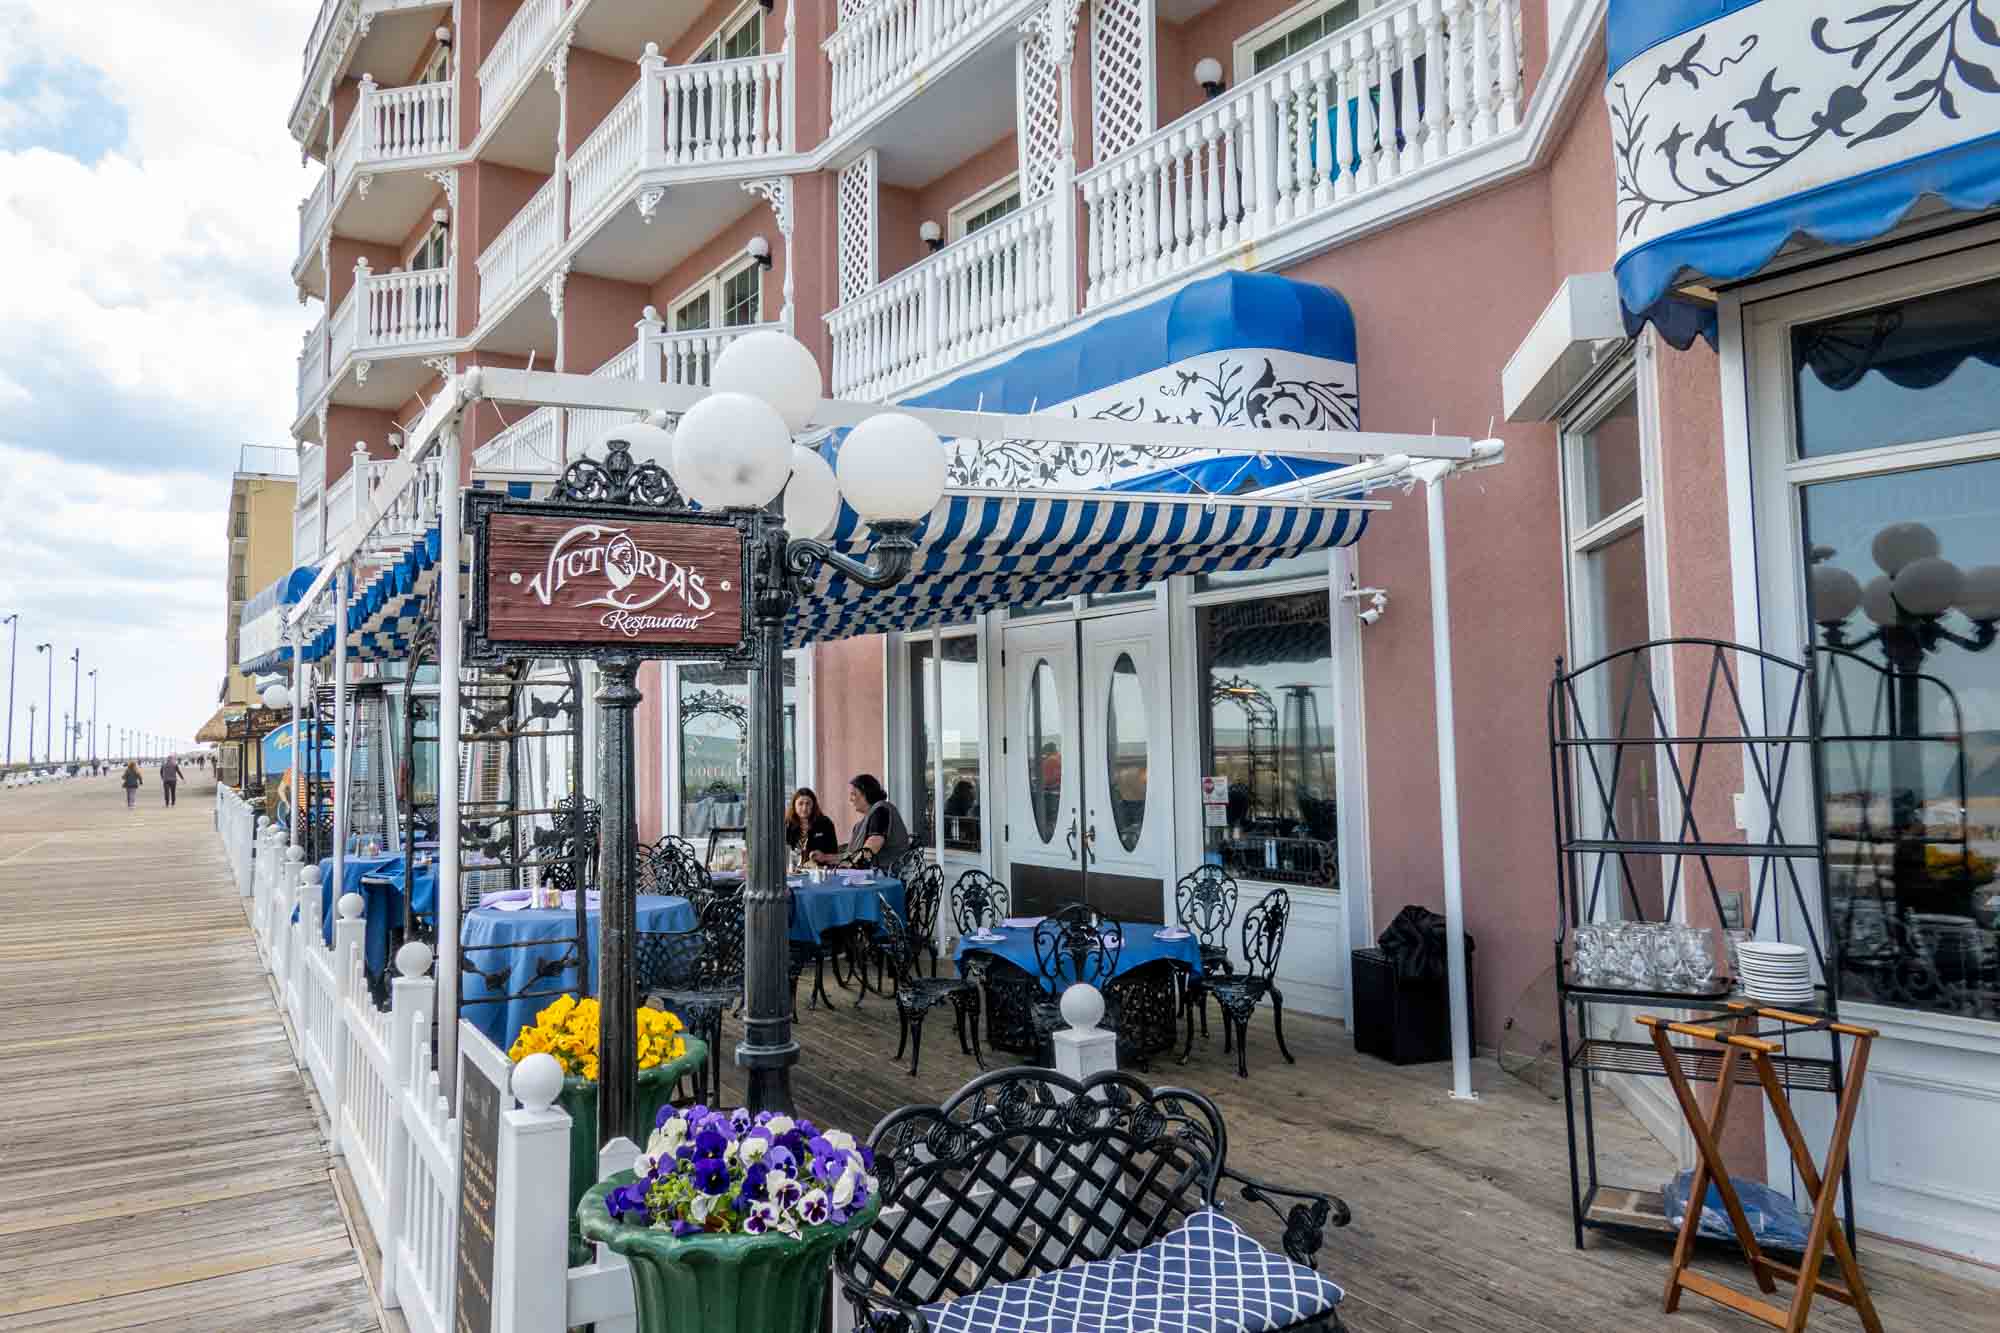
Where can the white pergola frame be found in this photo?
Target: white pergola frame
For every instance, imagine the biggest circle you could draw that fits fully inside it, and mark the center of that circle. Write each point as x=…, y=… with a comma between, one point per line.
x=1373, y=459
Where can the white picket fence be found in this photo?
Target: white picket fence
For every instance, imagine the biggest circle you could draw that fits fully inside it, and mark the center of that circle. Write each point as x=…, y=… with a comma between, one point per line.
x=388, y=1116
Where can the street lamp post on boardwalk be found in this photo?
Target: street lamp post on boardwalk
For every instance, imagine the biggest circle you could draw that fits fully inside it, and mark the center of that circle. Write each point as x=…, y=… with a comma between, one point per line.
x=13, y=644
x=93, y=715
x=74, y=728
x=49, y=712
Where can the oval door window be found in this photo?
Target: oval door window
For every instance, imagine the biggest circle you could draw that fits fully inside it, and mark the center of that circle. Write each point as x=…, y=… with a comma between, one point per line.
x=1044, y=749
x=1125, y=750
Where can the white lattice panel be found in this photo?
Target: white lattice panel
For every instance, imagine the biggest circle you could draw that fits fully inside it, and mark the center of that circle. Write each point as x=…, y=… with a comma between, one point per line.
x=1121, y=75
x=1040, y=85
x=855, y=196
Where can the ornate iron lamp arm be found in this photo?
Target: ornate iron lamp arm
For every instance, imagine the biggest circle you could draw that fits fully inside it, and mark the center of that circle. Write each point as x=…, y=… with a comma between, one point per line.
x=889, y=558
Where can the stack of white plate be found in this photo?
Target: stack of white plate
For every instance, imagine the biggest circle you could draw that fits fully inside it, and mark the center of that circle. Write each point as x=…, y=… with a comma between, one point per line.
x=1775, y=973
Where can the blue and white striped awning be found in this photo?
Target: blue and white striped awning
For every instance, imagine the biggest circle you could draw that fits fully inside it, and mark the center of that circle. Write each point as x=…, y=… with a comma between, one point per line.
x=1737, y=126
x=261, y=631
x=1238, y=352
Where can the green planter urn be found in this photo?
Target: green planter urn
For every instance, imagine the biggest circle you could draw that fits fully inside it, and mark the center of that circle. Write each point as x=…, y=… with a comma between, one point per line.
x=771, y=1283
x=655, y=1087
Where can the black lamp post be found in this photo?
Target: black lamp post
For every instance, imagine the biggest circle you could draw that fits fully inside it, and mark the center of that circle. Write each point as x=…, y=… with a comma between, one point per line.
x=733, y=452
x=49, y=709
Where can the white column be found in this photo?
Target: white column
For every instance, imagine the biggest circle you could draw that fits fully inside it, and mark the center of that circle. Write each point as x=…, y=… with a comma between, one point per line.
x=298, y=750
x=450, y=728
x=340, y=578
x=530, y=1238
x=1083, y=1048
x=1433, y=474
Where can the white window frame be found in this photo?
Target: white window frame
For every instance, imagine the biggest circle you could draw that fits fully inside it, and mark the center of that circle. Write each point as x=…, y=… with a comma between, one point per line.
x=713, y=284
x=711, y=47
x=437, y=66
x=903, y=783
x=432, y=233
x=1264, y=33
x=1765, y=477
x=968, y=208
x=670, y=735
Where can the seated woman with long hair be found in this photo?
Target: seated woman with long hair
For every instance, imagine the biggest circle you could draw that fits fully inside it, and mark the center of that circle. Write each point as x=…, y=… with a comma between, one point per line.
x=808, y=832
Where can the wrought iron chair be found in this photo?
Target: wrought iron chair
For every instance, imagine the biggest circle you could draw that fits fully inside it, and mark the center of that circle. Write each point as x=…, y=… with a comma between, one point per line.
x=909, y=863
x=1237, y=996
x=1076, y=944
x=917, y=994
x=923, y=894
x=671, y=866
x=699, y=974
x=1205, y=904
x=978, y=899
x=580, y=816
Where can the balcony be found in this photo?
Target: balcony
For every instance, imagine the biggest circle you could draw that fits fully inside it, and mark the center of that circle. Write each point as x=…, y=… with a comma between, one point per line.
x=523, y=246
x=713, y=117
x=312, y=474
x=530, y=447
x=393, y=312
x=393, y=127
x=516, y=55
x=308, y=537
x=1002, y=284
x=889, y=48
x=313, y=367
x=358, y=34
x=315, y=212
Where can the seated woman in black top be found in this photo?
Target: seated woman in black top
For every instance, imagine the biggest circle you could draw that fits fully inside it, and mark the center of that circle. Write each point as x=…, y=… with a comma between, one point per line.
x=808, y=832
x=879, y=837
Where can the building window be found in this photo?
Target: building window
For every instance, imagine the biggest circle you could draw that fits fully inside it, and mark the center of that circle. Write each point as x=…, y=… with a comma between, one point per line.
x=1891, y=476
x=713, y=715
x=986, y=208
x=1267, y=728
x=1293, y=31
x=433, y=250
x=736, y=289
x=947, y=725
x=437, y=69
x=1608, y=529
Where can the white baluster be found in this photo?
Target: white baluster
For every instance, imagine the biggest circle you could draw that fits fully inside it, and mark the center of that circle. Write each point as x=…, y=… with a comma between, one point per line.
x=1434, y=80
x=1508, y=109
x=1367, y=130
x=1404, y=34
x=1481, y=70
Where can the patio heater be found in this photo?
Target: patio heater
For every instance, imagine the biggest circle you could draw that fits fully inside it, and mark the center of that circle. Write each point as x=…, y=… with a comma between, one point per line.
x=734, y=450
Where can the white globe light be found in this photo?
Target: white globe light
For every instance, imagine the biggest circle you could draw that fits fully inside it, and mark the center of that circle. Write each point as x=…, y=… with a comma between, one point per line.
x=646, y=444
x=891, y=468
x=775, y=367
x=1929, y=586
x=277, y=696
x=1979, y=592
x=732, y=451
x=1900, y=543
x=812, y=497
x=1876, y=603
x=1835, y=594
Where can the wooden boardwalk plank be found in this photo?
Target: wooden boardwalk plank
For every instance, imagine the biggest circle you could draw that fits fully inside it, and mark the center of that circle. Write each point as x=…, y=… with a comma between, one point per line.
x=160, y=1167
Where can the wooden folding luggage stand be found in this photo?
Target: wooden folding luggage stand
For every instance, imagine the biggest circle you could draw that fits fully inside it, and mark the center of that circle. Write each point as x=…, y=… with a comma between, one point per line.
x=1738, y=1041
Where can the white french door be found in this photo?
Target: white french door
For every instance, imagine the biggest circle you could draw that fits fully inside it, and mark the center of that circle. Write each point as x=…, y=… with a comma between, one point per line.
x=1040, y=755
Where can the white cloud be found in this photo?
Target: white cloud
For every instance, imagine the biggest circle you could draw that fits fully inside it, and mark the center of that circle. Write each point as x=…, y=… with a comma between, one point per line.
x=147, y=324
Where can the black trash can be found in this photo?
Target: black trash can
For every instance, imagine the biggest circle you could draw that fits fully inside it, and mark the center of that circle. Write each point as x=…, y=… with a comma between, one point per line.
x=1403, y=1018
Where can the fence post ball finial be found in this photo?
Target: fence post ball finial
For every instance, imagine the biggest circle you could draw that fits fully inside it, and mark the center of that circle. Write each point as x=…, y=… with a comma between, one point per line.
x=351, y=906
x=537, y=1080
x=309, y=875
x=413, y=960
x=1082, y=1006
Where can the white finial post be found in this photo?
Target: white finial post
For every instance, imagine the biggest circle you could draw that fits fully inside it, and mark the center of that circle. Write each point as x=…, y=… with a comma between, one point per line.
x=1083, y=1048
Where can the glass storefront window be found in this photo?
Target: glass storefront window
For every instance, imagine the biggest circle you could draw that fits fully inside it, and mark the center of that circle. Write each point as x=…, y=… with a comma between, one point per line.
x=1922, y=369
x=1313, y=564
x=1267, y=673
x=1043, y=752
x=714, y=719
x=961, y=713
x=923, y=747
x=1125, y=751
x=1902, y=572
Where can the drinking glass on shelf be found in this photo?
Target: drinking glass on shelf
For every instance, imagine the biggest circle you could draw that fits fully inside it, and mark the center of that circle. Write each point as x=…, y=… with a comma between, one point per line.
x=1588, y=947
x=1732, y=939
x=1695, y=957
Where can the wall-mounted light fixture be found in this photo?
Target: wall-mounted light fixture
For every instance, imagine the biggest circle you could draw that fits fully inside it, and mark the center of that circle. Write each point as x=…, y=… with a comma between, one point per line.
x=933, y=235
x=1208, y=73
x=758, y=249
x=440, y=216
x=443, y=36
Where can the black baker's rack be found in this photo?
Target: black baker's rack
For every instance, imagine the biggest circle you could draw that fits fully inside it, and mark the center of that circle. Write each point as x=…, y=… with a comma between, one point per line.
x=1606, y=718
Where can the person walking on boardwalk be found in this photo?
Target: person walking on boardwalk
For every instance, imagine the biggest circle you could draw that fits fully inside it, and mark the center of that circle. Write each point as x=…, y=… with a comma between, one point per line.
x=130, y=782
x=170, y=778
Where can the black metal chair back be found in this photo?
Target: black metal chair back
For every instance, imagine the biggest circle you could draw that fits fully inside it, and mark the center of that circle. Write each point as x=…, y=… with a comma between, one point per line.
x=922, y=894
x=910, y=864
x=560, y=860
x=977, y=899
x=722, y=939
x=895, y=942
x=1264, y=934
x=1084, y=939
x=1205, y=903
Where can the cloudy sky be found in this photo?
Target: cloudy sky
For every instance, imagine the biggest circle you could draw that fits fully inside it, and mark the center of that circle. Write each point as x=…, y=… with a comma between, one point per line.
x=149, y=212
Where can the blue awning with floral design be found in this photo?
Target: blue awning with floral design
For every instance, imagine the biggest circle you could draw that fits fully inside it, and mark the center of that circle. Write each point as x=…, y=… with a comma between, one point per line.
x=1738, y=125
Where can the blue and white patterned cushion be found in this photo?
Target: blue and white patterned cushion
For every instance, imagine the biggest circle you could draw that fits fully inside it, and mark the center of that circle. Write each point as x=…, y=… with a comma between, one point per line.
x=1205, y=1277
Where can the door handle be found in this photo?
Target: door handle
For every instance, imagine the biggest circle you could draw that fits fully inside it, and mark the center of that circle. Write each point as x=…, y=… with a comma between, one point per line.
x=1072, y=836
x=1090, y=844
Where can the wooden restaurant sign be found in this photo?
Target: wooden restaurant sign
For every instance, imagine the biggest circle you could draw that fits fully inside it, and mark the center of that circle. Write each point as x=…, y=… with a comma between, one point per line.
x=552, y=579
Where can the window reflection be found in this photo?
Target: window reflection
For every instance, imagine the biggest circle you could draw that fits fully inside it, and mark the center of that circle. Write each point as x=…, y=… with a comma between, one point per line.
x=1125, y=751
x=714, y=711
x=1044, y=749
x=961, y=714
x=1267, y=668
x=1903, y=583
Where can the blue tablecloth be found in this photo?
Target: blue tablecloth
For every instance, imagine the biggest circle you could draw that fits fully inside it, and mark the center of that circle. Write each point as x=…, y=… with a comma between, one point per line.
x=535, y=930
x=1140, y=946
x=831, y=904
x=378, y=879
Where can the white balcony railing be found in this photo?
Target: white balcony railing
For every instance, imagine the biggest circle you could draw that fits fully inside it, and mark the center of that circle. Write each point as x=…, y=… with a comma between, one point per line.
x=394, y=310
x=308, y=538
x=529, y=445
x=513, y=55
x=587, y=425
x=313, y=366
x=313, y=212
x=520, y=249
x=391, y=125
x=312, y=473
x=719, y=112
x=342, y=502
x=687, y=358
x=885, y=45
x=1003, y=283
x=1412, y=84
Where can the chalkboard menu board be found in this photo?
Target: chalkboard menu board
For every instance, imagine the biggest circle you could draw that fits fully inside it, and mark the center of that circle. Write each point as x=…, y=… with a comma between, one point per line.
x=479, y=1103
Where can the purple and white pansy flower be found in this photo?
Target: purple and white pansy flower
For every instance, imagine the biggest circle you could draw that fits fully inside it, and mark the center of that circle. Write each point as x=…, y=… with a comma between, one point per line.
x=732, y=1172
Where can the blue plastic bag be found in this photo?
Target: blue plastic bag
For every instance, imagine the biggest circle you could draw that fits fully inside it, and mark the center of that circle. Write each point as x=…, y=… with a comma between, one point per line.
x=1774, y=1221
